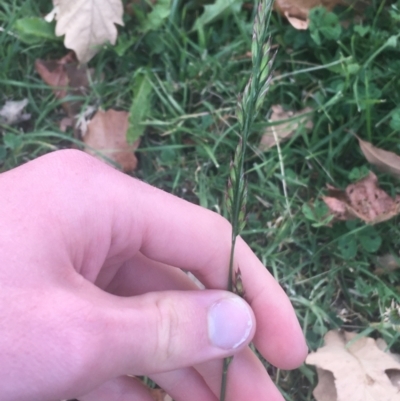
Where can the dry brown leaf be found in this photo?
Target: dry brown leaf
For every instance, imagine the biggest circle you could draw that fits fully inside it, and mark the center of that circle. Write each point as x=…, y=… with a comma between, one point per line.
x=65, y=123
x=364, y=200
x=106, y=133
x=284, y=130
x=386, y=264
x=393, y=374
x=13, y=112
x=297, y=23
x=66, y=77
x=296, y=11
x=385, y=161
x=357, y=369
x=88, y=25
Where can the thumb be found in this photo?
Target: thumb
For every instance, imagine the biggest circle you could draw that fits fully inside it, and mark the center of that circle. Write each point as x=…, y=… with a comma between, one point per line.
x=162, y=331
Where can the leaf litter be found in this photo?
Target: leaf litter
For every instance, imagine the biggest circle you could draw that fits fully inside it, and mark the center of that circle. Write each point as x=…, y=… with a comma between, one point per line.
x=289, y=120
x=356, y=369
x=296, y=11
x=67, y=78
x=385, y=161
x=363, y=199
x=88, y=25
x=13, y=112
x=106, y=136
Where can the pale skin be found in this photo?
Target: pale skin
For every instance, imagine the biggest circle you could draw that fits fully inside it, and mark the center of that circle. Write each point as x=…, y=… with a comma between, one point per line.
x=91, y=291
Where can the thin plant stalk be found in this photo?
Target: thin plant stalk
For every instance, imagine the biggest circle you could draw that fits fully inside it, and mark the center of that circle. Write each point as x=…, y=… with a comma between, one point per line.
x=248, y=106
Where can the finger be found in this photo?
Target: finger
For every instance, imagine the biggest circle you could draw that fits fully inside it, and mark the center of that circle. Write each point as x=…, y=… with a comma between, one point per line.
x=140, y=275
x=167, y=330
x=184, y=385
x=247, y=378
x=245, y=367
x=123, y=388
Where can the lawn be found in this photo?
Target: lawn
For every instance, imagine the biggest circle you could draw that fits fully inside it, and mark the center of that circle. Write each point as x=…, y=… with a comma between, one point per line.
x=337, y=274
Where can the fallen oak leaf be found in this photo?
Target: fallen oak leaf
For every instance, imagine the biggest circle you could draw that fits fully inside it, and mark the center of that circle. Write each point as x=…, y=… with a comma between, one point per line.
x=285, y=129
x=106, y=134
x=364, y=200
x=356, y=369
x=385, y=161
x=67, y=78
x=87, y=25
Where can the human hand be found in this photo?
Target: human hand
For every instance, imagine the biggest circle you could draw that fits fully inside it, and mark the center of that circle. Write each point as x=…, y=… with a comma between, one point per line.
x=91, y=291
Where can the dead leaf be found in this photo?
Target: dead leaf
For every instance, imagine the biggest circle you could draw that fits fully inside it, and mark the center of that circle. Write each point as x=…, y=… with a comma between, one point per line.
x=296, y=11
x=385, y=161
x=106, y=133
x=65, y=123
x=387, y=263
x=364, y=200
x=67, y=77
x=12, y=112
x=88, y=25
x=357, y=369
x=297, y=23
x=286, y=129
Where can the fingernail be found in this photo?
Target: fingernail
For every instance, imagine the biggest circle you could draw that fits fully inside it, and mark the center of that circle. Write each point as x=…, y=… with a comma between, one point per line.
x=229, y=323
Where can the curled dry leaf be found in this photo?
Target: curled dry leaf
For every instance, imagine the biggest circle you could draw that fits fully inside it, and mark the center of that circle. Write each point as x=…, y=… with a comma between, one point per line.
x=88, y=25
x=364, y=200
x=286, y=129
x=354, y=369
x=296, y=11
x=67, y=77
x=13, y=112
x=106, y=134
x=385, y=161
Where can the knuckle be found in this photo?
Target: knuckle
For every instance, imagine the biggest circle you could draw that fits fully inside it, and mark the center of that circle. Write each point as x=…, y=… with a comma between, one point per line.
x=168, y=330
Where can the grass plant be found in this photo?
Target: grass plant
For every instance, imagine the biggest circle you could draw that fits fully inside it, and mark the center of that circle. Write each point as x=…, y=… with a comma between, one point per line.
x=247, y=109
x=352, y=83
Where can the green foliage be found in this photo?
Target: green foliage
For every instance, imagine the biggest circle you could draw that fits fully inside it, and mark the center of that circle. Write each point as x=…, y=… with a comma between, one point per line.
x=324, y=25
x=33, y=30
x=140, y=106
x=216, y=11
x=156, y=17
x=358, y=173
x=365, y=236
x=395, y=119
x=318, y=213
